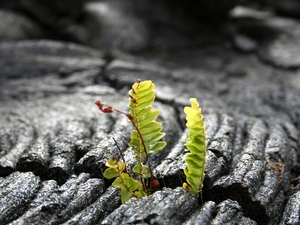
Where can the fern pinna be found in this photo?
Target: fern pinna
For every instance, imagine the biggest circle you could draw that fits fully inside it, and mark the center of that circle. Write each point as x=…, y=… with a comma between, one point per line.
x=196, y=144
x=144, y=141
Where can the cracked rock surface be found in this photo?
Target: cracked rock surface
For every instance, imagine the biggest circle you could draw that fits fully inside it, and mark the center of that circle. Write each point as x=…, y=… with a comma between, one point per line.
x=54, y=142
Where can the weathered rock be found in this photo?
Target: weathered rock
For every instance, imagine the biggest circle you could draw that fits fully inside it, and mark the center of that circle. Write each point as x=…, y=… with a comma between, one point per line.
x=15, y=26
x=97, y=211
x=251, y=112
x=16, y=192
x=283, y=51
x=169, y=172
x=63, y=149
x=227, y=212
x=277, y=37
x=244, y=43
x=286, y=8
x=45, y=148
x=93, y=162
x=113, y=25
x=258, y=175
x=36, y=158
x=58, y=205
x=155, y=208
x=24, y=139
x=38, y=58
x=47, y=188
x=53, y=13
x=291, y=214
x=204, y=215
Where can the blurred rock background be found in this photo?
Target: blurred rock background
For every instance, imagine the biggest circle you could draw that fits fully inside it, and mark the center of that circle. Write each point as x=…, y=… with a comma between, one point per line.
x=239, y=58
x=133, y=25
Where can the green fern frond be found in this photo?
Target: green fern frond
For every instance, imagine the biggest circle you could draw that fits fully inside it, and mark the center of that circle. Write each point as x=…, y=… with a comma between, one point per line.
x=145, y=139
x=196, y=144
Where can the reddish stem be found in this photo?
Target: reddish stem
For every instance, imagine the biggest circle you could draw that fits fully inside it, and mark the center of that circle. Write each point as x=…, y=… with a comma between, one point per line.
x=121, y=153
x=104, y=108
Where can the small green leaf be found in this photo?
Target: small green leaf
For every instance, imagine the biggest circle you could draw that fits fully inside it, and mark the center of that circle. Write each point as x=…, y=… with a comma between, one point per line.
x=125, y=194
x=131, y=183
x=111, y=173
x=128, y=186
x=142, y=171
x=121, y=166
x=148, y=119
x=157, y=146
x=112, y=163
x=151, y=128
x=118, y=183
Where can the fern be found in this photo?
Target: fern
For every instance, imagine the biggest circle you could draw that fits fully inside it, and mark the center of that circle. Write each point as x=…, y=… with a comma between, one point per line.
x=196, y=144
x=145, y=138
x=144, y=141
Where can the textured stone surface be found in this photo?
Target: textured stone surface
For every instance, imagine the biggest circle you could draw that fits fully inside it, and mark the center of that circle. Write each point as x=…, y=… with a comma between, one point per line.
x=17, y=191
x=15, y=26
x=291, y=212
x=54, y=142
x=155, y=208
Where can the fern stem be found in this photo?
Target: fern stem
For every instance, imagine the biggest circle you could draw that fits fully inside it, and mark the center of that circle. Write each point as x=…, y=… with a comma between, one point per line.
x=145, y=150
x=121, y=153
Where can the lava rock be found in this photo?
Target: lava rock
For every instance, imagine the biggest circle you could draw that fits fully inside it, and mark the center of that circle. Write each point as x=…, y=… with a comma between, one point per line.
x=15, y=26
x=32, y=58
x=290, y=8
x=154, y=208
x=16, y=192
x=291, y=214
x=53, y=13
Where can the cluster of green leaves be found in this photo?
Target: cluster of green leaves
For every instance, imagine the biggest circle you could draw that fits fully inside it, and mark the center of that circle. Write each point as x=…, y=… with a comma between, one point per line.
x=129, y=186
x=196, y=144
x=146, y=140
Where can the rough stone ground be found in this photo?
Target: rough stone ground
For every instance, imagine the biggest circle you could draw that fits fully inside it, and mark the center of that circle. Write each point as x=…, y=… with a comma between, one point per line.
x=54, y=142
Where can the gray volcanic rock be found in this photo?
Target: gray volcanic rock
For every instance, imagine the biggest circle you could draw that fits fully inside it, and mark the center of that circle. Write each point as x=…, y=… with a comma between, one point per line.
x=291, y=212
x=155, y=208
x=54, y=142
x=113, y=25
x=57, y=204
x=16, y=192
x=53, y=13
x=290, y=8
x=278, y=37
x=227, y=212
x=36, y=58
x=15, y=26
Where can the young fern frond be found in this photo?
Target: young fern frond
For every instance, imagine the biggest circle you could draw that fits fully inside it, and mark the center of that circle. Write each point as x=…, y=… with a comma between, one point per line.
x=145, y=138
x=196, y=144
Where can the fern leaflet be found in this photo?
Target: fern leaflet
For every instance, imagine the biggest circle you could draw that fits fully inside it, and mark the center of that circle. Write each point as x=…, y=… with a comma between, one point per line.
x=196, y=144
